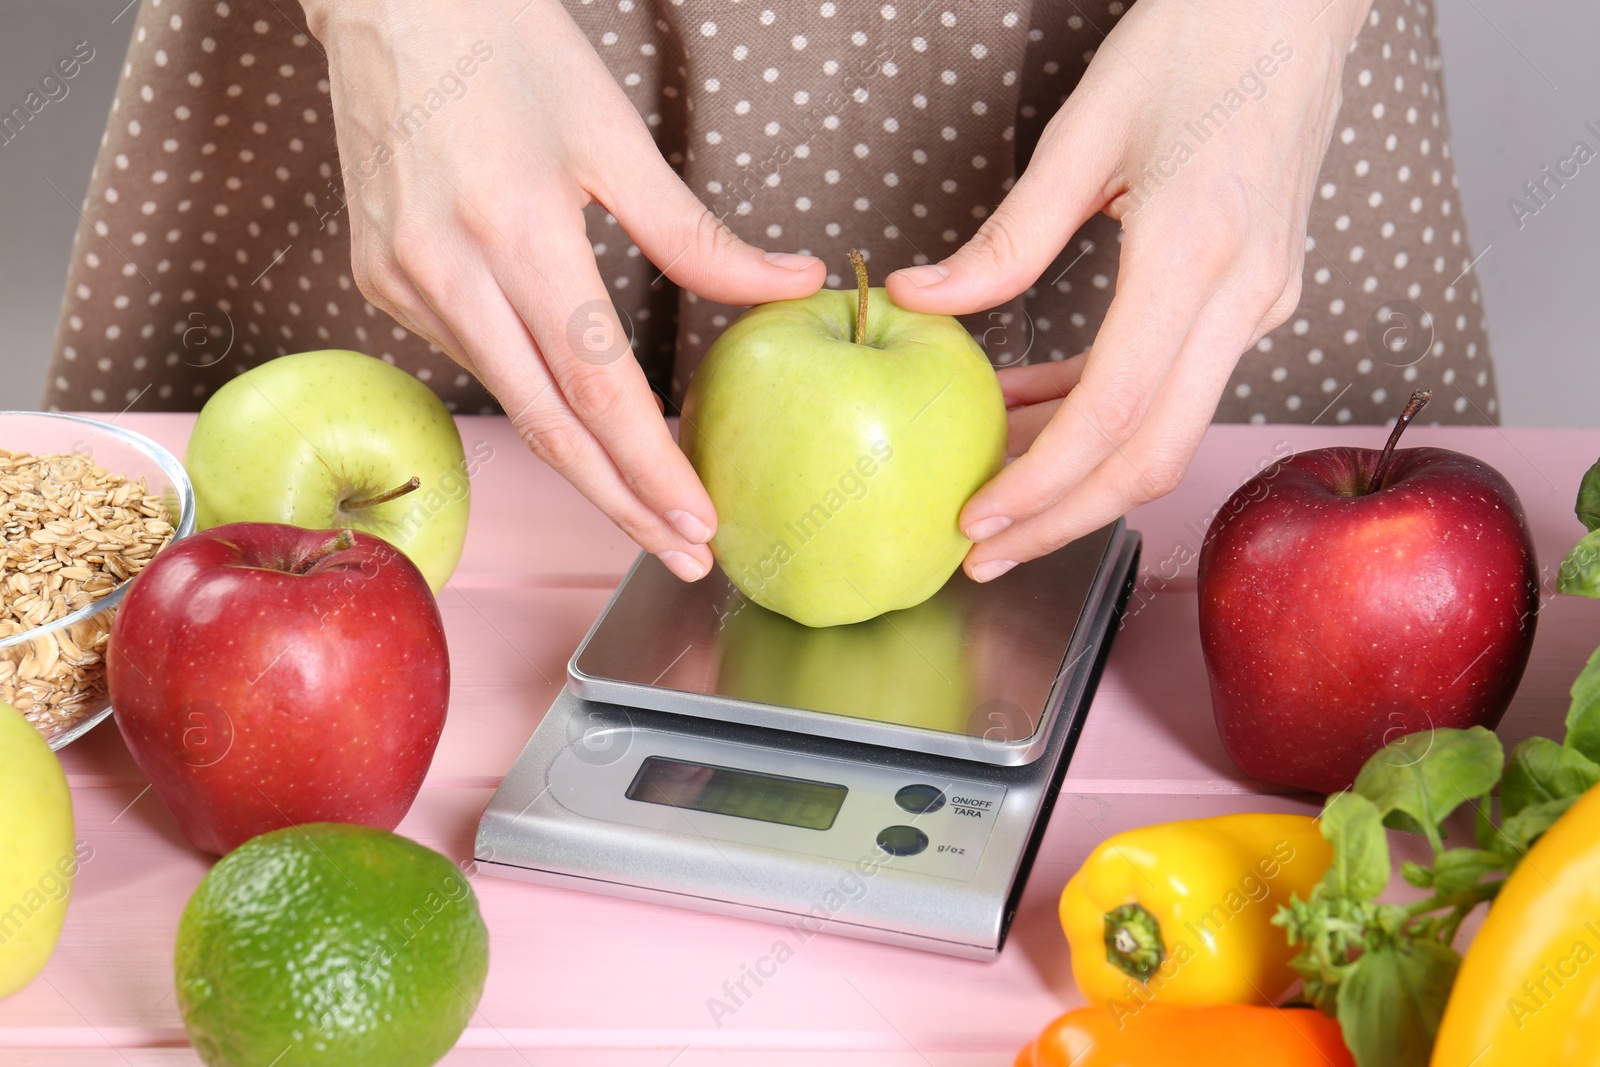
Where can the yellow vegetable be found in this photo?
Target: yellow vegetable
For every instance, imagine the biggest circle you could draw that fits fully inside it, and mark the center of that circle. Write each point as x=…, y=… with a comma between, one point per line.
x=1181, y=912
x=37, y=857
x=1528, y=992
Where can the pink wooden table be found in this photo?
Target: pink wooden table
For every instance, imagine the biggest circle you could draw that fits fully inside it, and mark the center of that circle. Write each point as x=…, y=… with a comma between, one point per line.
x=586, y=980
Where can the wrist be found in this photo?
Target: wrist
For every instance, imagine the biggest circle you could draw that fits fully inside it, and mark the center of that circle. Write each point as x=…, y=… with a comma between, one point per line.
x=322, y=16
x=317, y=13
x=1348, y=16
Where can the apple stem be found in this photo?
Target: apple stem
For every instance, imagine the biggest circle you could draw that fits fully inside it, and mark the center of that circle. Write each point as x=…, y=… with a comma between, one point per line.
x=382, y=498
x=860, y=264
x=1418, y=401
x=343, y=540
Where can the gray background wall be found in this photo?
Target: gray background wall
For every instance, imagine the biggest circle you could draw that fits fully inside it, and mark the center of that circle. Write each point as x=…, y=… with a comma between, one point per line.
x=1520, y=82
x=58, y=146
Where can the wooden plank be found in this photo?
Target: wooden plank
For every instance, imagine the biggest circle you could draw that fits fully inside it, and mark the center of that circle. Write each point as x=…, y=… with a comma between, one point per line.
x=668, y=1055
x=508, y=658
x=530, y=526
x=574, y=964
x=1151, y=729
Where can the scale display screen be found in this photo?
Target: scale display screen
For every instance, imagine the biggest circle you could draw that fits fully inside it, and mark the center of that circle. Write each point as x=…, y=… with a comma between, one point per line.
x=742, y=794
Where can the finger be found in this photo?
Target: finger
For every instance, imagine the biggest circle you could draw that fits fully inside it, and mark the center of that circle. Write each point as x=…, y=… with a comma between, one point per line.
x=1037, y=383
x=409, y=307
x=576, y=330
x=683, y=237
x=498, y=342
x=1066, y=181
x=617, y=161
x=387, y=287
x=1150, y=317
x=1024, y=424
x=1033, y=394
x=1151, y=464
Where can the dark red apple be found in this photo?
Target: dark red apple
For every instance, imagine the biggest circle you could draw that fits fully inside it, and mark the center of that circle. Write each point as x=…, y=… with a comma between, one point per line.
x=1349, y=596
x=265, y=676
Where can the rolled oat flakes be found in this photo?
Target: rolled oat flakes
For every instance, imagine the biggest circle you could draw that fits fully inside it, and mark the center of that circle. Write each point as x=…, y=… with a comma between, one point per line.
x=71, y=532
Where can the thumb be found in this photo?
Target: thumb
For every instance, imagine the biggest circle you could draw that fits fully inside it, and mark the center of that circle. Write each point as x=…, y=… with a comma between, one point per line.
x=694, y=247
x=1063, y=185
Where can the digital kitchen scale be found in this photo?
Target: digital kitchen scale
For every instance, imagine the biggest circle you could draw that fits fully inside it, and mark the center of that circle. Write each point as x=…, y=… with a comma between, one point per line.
x=887, y=780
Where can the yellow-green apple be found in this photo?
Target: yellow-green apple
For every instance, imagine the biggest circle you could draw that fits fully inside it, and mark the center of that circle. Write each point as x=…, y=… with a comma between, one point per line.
x=266, y=675
x=838, y=437
x=1350, y=596
x=335, y=440
x=39, y=856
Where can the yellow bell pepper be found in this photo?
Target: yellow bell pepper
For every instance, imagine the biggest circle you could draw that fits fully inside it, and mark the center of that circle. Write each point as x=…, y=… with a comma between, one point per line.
x=1181, y=912
x=1528, y=991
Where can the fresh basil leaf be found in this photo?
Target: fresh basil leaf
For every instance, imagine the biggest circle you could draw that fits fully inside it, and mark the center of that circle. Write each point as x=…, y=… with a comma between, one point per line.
x=1416, y=874
x=1521, y=830
x=1428, y=774
x=1390, y=1002
x=1487, y=832
x=1588, y=509
x=1539, y=770
x=1583, y=717
x=1387, y=920
x=1580, y=571
x=1399, y=820
x=1459, y=869
x=1352, y=825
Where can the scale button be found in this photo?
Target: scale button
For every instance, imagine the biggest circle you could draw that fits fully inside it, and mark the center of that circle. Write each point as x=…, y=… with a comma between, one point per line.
x=902, y=840
x=920, y=799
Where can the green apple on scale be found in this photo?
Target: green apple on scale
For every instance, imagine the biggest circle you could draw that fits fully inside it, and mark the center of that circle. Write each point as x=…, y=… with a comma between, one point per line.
x=335, y=440
x=839, y=436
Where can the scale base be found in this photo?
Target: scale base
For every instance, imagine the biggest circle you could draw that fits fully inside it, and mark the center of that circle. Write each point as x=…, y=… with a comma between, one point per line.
x=941, y=873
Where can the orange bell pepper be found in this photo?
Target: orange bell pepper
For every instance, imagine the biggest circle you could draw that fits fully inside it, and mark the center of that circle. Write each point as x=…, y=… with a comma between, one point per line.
x=1163, y=1035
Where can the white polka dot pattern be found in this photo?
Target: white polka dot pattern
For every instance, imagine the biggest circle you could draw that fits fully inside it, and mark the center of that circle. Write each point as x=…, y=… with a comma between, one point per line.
x=213, y=236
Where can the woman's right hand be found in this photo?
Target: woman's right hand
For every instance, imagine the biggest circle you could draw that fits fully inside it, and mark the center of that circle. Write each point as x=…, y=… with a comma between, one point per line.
x=471, y=234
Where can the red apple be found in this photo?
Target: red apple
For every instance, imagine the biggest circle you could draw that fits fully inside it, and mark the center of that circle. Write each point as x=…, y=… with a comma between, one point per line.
x=1349, y=596
x=265, y=676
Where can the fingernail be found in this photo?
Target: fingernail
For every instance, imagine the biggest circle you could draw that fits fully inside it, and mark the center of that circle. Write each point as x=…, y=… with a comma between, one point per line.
x=693, y=530
x=924, y=276
x=683, y=565
x=986, y=528
x=1014, y=402
x=992, y=569
x=790, y=260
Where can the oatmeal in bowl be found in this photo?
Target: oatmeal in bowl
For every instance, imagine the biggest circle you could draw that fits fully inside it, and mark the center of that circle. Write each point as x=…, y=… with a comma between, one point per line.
x=84, y=506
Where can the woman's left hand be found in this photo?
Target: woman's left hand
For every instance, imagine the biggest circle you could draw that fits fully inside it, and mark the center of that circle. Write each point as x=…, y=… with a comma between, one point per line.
x=1212, y=250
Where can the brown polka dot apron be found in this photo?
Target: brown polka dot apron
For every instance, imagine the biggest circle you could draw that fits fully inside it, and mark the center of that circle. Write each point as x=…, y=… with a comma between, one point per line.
x=213, y=236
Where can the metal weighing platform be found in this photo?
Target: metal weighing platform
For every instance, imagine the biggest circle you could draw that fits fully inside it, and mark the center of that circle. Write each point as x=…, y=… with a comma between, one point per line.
x=887, y=780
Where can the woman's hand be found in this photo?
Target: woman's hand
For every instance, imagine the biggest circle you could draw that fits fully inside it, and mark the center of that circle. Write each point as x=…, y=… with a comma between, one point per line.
x=470, y=232
x=1202, y=127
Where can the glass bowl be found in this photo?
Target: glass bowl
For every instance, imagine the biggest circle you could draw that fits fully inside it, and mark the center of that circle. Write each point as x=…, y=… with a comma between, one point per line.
x=65, y=658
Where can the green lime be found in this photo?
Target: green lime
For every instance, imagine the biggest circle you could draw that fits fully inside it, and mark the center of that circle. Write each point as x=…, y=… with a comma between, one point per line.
x=330, y=944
